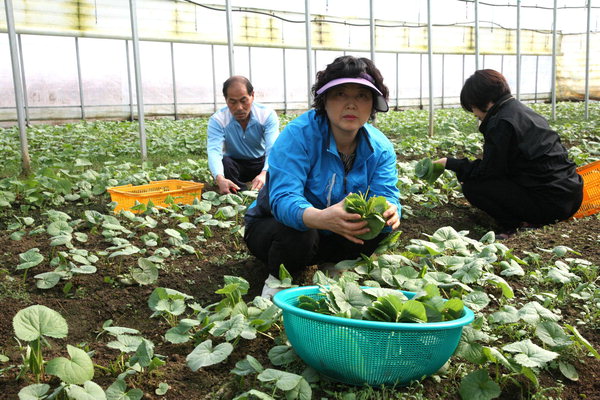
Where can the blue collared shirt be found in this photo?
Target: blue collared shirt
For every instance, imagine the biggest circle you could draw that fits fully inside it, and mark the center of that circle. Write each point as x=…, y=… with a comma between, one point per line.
x=227, y=138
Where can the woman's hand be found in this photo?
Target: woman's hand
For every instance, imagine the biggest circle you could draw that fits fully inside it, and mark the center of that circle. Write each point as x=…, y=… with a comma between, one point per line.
x=441, y=161
x=391, y=216
x=337, y=220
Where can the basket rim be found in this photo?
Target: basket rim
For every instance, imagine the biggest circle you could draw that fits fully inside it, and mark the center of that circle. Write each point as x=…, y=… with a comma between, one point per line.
x=280, y=299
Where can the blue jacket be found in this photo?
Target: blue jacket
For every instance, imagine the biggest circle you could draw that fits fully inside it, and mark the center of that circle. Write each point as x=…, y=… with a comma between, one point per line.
x=305, y=170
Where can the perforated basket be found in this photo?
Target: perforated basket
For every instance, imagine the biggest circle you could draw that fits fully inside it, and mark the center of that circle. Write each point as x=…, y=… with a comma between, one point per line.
x=591, y=189
x=182, y=192
x=362, y=352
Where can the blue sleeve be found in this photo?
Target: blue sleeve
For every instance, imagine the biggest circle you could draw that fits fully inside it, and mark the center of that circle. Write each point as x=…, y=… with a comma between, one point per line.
x=214, y=148
x=288, y=173
x=271, y=133
x=385, y=178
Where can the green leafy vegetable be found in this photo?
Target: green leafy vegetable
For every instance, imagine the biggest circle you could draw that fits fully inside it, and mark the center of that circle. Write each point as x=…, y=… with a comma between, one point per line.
x=370, y=210
x=428, y=170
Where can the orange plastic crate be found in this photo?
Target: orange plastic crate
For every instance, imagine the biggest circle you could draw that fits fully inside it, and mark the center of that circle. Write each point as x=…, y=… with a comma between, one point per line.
x=181, y=191
x=591, y=189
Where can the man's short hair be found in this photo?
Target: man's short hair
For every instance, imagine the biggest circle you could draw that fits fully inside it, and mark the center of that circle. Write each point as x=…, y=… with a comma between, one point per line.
x=235, y=79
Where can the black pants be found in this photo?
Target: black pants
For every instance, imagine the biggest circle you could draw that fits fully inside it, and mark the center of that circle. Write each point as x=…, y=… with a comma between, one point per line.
x=275, y=243
x=511, y=205
x=241, y=171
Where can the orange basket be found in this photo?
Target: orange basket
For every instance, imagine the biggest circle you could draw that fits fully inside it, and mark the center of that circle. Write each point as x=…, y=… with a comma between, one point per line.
x=181, y=191
x=591, y=189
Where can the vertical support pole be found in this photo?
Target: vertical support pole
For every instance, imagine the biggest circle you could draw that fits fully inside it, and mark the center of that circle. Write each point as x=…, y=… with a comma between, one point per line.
x=79, y=78
x=138, y=79
x=18, y=86
x=421, y=81
x=129, y=85
x=443, y=76
x=372, y=30
x=587, y=60
x=430, y=58
x=537, y=72
x=23, y=79
x=173, y=78
x=518, y=49
x=285, y=102
x=309, y=56
x=554, y=50
x=397, y=80
x=250, y=63
x=230, y=37
x=214, y=77
x=476, y=35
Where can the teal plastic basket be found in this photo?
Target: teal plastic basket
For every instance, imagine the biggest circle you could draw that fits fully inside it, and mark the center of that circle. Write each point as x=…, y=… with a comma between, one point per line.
x=360, y=352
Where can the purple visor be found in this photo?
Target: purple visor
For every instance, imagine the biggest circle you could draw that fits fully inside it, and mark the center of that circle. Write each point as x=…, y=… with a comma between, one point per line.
x=380, y=103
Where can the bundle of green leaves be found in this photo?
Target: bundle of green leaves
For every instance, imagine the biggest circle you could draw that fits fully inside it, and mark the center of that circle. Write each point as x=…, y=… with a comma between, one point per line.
x=428, y=170
x=370, y=210
x=348, y=300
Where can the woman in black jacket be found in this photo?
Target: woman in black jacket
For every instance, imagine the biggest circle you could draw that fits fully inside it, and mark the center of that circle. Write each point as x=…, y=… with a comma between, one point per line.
x=525, y=177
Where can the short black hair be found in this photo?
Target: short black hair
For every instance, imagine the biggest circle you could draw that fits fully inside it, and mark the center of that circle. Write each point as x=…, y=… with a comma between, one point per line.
x=237, y=78
x=347, y=67
x=485, y=86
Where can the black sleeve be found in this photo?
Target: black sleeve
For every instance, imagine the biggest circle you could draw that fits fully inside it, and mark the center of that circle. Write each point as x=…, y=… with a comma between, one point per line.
x=498, y=148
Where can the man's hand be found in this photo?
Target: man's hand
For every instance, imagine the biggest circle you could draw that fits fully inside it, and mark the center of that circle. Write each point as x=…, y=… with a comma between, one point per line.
x=226, y=186
x=259, y=181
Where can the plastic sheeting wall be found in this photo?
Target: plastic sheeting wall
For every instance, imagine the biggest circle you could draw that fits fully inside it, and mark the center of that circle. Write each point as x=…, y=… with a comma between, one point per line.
x=269, y=49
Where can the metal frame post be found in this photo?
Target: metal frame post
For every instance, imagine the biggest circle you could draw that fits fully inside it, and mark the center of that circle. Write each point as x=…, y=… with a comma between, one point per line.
x=129, y=85
x=518, y=49
x=285, y=101
x=309, y=58
x=23, y=79
x=553, y=83
x=79, y=78
x=174, y=78
x=138, y=79
x=18, y=86
x=372, y=30
x=430, y=58
x=476, y=35
x=587, y=60
x=230, y=37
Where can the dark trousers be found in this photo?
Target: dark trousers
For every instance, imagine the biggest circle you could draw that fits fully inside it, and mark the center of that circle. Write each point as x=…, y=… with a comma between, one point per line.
x=241, y=171
x=275, y=243
x=511, y=205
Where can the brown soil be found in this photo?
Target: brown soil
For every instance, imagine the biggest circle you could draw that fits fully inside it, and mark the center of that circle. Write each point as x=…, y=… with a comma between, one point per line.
x=94, y=299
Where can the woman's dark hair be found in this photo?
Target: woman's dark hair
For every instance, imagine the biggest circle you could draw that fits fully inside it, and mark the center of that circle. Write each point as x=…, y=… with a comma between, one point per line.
x=481, y=88
x=237, y=78
x=347, y=67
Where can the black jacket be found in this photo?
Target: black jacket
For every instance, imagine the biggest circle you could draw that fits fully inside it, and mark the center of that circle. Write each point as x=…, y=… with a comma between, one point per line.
x=519, y=145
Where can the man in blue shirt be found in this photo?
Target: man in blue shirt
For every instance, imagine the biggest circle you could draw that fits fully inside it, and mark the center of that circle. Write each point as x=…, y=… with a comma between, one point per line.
x=240, y=137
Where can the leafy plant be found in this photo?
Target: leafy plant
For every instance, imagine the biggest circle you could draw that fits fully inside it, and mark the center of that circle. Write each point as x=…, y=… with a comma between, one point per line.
x=428, y=170
x=370, y=210
x=33, y=324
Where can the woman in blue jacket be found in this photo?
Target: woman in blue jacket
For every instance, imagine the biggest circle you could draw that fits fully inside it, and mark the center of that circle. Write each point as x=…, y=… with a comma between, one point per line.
x=319, y=158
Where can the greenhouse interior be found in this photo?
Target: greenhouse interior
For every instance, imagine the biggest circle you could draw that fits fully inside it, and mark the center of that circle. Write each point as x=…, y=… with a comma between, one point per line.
x=307, y=199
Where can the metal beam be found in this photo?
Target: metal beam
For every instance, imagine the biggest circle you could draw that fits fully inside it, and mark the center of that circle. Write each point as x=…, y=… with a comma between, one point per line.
x=372, y=30
x=230, y=38
x=309, y=59
x=587, y=60
x=518, y=49
x=476, y=35
x=18, y=86
x=430, y=58
x=554, y=50
x=138, y=79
